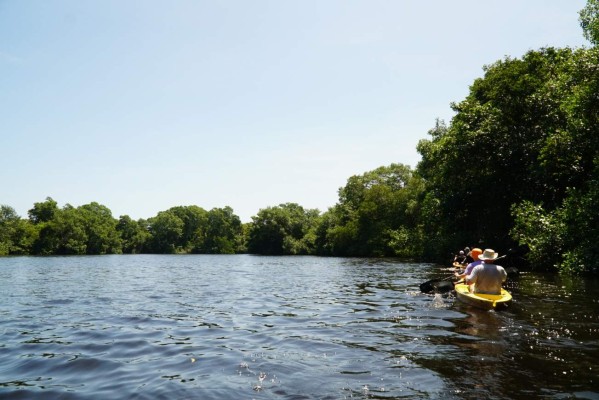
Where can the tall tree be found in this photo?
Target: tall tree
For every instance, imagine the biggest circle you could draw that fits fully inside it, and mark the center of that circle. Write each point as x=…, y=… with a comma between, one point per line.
x=64, y=234
x=44, y=211
x=375, y=215
x=194, y=220
x=490, y=156
x=222, y=233
x=589, y=21
x=166, y=230
x=522, y=145
x=16, y=234
x=287, y=229
x=100, y=229
x=566, y=229
x=134, y=234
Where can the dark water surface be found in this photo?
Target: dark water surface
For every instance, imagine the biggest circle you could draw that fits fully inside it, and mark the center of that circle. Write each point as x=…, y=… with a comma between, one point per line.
x=249, y=327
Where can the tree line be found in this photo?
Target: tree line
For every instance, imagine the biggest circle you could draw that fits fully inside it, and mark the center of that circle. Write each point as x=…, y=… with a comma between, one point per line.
x=517, y=168
x=91, y=229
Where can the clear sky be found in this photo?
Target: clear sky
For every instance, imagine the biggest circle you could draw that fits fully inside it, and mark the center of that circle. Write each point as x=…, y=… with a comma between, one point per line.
x=145, y=105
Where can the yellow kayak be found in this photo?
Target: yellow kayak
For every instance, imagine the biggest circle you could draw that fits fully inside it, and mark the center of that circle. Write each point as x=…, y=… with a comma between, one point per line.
x=457, y=265
x=484, y=301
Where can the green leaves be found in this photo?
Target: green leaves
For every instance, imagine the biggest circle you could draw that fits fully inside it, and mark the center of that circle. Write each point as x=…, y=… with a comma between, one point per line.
x=540, y=231
x=589, y=21
x=564, y=238
x=526, y=133
x=134, y=234
x=287, y=229
x=16, y=236
x=376, y=211
x=91, y=229
x=222, y=233
x=166, y=230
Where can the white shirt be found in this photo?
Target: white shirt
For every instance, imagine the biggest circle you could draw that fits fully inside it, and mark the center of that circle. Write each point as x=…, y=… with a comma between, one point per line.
x=487, y=278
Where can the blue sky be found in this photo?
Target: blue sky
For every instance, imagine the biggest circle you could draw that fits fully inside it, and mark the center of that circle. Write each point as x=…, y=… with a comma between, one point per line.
x=146, y=105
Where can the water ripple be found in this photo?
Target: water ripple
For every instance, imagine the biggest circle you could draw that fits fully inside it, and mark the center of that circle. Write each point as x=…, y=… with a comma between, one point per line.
x=218, y=327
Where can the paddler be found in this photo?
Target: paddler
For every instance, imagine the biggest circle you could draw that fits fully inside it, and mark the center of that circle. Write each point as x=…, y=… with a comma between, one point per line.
x=474, y=253
x=459, y=258
x=487, y=277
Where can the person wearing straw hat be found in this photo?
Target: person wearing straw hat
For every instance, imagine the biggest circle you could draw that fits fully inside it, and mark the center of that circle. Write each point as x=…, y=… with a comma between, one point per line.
x=487, y=277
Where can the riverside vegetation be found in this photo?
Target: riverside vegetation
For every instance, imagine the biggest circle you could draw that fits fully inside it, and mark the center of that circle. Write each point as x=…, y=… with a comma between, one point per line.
x=517, y=167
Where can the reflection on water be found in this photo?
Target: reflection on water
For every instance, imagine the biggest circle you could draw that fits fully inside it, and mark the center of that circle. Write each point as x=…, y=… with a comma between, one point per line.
x=217, y=327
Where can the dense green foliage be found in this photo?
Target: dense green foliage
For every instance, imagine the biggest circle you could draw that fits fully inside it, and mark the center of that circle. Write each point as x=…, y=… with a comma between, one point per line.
x=287, y=229
x=377, y=215
x=91, y=229
x=589, y=21
x=16, y=235
x=516, y=167
x=520, y=156
x=88, y=229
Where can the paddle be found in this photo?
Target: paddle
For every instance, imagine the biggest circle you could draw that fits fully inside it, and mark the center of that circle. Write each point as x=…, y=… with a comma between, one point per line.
x=440, y=285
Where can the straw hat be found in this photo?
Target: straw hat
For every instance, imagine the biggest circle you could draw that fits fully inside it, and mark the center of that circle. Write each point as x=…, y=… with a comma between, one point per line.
x=488, y=254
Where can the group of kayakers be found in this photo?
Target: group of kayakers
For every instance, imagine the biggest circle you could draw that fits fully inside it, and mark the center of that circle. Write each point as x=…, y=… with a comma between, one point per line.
x=477, y=269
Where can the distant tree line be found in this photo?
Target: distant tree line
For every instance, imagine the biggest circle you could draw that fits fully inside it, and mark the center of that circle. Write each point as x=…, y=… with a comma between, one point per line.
x=91, y=229
x=516, y=168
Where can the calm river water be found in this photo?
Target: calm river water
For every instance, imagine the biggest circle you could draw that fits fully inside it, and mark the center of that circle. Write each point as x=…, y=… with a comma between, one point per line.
x=250, y=327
